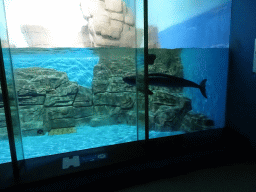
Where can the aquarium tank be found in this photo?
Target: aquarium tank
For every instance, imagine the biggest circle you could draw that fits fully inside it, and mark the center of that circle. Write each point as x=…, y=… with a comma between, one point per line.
x=75, y=71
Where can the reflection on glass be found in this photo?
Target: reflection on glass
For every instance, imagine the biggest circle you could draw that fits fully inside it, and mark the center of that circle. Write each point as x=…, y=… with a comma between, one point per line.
x=189, y=74
x=69, y=67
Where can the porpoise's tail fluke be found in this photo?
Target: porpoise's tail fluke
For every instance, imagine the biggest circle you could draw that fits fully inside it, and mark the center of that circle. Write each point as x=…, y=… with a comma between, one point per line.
x=202, y=88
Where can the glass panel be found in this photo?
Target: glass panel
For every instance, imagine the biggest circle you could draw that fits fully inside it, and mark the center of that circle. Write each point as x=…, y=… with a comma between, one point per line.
x=254, y=58
x=69, y=63
x=5, y=149
x=190, y=40
x=140, y=69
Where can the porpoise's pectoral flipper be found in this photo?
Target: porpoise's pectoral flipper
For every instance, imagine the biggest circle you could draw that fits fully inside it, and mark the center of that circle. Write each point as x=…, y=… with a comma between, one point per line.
x=202, y=88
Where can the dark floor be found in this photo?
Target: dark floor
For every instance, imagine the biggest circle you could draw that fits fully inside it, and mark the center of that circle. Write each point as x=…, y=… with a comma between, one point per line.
x=231, y=178
x=235, y=170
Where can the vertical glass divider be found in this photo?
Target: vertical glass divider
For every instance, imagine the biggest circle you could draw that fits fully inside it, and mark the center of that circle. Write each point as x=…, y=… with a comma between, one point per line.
x=146, y=68
x=8, y=116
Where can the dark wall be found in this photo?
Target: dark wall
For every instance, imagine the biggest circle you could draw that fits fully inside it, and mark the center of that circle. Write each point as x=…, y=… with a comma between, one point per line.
x=241, y=95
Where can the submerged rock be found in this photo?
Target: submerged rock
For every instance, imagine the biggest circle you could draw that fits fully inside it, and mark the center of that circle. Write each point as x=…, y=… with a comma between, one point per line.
x=170, y=118
x=49, y=102
x=62, y=131
x=196, y=122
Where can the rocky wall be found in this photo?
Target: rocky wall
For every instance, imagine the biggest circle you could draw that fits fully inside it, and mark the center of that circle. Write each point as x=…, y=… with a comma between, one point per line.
x=48, y=101
x=108, y=23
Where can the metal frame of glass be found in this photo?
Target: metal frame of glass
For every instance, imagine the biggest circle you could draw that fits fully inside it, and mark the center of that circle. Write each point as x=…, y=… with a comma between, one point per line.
x=10, y=104
x=8, y=117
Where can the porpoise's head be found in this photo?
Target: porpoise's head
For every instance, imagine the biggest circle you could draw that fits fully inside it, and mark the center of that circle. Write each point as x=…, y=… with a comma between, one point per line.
x=131, y=80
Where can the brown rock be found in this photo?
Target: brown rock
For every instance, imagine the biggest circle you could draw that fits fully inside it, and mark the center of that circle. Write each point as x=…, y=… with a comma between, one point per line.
x=195, y=122
x=83, y=97
x=117, y=16
x=37, y=36
x=129, y=17
x=114, y=5
x=58, y=117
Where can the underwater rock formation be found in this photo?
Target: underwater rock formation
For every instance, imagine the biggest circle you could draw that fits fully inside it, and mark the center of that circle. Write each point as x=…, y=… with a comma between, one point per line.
x=50, y=102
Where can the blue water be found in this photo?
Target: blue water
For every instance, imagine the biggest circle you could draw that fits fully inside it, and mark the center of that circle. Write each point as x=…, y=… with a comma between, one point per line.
x=198, y=64
x=77, y=63
x=210, y=64
x=85, y=138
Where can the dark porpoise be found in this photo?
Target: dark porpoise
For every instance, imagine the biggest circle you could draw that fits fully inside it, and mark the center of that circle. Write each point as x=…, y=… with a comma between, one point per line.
x=164, y=80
